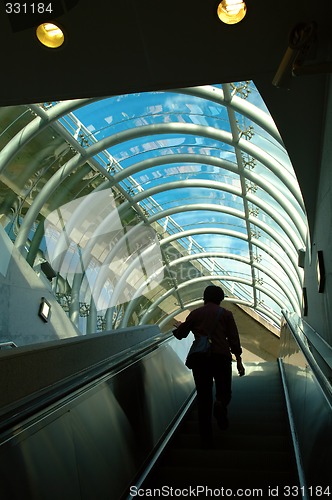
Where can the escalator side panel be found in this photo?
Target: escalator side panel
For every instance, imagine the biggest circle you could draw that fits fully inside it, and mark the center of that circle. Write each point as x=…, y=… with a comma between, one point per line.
x=255, y=452
x=92, y=444
x=311, y=410
x=37, y=367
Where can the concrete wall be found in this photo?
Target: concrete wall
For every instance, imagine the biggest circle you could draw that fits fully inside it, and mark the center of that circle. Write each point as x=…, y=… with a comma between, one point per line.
x=319, y=304
x=20, y=296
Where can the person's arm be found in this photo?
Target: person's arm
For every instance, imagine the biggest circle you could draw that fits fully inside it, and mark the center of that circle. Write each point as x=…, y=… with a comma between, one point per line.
x=239, y=365
x=182, y=330
x=234, y=341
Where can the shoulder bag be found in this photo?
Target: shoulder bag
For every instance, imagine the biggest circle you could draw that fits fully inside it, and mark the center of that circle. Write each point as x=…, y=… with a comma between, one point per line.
x=201, y=345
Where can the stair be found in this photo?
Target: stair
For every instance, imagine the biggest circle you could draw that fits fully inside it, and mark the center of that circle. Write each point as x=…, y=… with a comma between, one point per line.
x=255, y=452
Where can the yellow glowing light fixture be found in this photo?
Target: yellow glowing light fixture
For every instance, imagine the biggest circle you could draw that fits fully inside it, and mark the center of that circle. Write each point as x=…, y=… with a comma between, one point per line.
x=231, y=11
x=50, y=35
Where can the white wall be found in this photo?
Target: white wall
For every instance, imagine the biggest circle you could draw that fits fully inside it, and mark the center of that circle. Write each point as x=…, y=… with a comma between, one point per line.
x=20, y=295
x=320, y=304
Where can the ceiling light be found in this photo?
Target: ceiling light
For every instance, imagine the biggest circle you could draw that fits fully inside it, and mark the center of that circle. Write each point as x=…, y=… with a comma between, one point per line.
x=44, y=309
x=50, y=35
x=231, y=11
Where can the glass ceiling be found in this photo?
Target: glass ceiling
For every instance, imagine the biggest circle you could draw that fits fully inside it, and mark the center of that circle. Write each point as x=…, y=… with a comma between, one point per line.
x=139, y=201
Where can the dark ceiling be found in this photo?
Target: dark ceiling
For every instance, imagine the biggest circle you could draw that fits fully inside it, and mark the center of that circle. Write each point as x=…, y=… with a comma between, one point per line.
x=119, y=47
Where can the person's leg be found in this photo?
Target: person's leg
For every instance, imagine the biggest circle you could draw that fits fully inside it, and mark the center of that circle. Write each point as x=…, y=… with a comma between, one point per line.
x=203, y=376
x=222, y=373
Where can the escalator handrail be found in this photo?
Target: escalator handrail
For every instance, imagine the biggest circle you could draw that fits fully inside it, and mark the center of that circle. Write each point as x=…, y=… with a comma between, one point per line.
x=7, y=345
x=165, y=439
x=304, y=336
x=294, y=437
x=25, y=408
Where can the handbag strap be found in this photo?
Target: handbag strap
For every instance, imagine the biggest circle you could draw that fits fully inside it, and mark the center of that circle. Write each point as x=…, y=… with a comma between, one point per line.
x=220, y=310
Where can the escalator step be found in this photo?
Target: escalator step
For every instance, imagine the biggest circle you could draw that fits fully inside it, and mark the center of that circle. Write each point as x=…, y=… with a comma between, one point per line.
x=255, y=451
x=262, y=428
x=232, y=441
x=244, y=459
x=217, y=478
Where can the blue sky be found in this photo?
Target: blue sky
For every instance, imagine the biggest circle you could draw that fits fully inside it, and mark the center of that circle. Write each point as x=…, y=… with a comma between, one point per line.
x=118, y=113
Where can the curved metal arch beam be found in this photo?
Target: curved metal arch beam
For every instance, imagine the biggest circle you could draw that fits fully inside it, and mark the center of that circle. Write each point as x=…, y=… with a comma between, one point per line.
x=199, y=279
x=57, y=200
x=131, y=306
x=101, y=277
x=53, y=183
x=121, y=284
x=276, y=167
x=188, y=258
x=193, y=232
x=143, y=131
x=169, y=292
x=74, y=307
x=297, y=283
x=294, y=301
x=297, y=241
x=238, y=105
x=220, y=163
x=253, y=220
x=199, y=130
x=279, y=239
x=81, y=207
x=36, y=126
x=45, y=118
x=107, y=223
x=197, y=303
x=85, y=257
x=104, y=227
x=114, y=251
x=245, y=260
x=91, y=320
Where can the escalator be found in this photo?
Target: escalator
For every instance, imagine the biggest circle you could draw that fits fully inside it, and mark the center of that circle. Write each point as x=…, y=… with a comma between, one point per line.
x=128, y=424
x=72, y=429
x=255, y=452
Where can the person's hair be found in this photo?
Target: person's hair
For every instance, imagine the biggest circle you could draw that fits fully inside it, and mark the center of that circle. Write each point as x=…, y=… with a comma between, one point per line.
x=213, y=294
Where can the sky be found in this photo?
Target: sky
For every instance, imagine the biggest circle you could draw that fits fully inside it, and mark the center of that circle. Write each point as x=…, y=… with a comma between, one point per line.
x=194, y=173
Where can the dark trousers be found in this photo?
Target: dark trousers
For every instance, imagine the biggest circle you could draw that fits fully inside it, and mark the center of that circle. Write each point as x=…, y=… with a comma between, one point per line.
x=215, y=367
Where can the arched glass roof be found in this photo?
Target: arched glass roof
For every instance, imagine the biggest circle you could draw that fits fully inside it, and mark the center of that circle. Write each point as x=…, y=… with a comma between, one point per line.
x=191, y=186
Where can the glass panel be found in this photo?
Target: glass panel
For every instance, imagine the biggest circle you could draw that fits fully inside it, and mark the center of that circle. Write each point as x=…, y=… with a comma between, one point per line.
x=172, y=161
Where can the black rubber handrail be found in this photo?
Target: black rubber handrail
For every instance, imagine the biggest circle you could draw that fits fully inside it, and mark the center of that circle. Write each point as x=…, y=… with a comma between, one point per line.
x=318, y=353
x=19, y=411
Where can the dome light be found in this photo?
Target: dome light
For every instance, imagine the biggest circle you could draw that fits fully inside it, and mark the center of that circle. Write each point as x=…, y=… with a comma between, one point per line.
x=231, y=11
x=50, y=35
